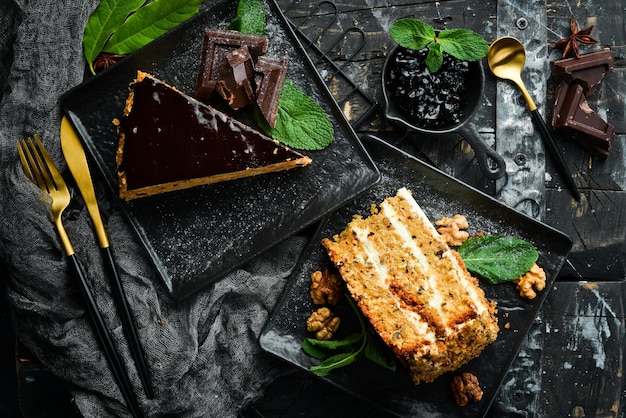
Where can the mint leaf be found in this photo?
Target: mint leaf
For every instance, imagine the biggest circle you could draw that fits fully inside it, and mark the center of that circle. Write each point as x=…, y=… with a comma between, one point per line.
x=463, y=44
x=300, y=123
x=104, y=21
x=377, y=352
x=412, y=33
x=434, y=59
x=149, y=22
x=334, y=362
x=313, y=350
x=250, y=17
x=498, y=258
x=347, y=343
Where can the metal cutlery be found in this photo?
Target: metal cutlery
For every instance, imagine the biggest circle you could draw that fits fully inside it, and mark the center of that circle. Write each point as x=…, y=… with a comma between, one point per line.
x=77, y=162
x=41, y=170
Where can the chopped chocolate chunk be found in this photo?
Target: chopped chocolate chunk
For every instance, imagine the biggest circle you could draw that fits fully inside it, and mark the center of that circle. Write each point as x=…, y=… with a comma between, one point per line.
x=269, y=75
x=588, y=70
x=572, y=115
x=236, y=83
x=217, y=43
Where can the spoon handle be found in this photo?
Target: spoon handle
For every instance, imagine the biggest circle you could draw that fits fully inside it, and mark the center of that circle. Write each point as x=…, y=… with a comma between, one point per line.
x=556, y=155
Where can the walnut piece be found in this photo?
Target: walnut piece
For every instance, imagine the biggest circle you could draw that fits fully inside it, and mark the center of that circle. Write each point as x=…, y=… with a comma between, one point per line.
x=325, y=288
x=453, y=229
x=323, y=323
x=532, y=282
x=466, y=387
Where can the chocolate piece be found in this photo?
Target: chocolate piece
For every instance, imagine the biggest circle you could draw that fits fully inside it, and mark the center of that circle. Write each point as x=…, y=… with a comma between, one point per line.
x=588, y=70
x=235, y=85
x=217, y=43
x=170, y=141
x=572, y=115
x=270, y=76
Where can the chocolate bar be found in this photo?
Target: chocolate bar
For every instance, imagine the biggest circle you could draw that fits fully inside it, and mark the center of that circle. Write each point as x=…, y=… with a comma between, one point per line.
x=588, y=70
x=236, y=82
x=572, y=115
x=269, y=76
x=217, y=44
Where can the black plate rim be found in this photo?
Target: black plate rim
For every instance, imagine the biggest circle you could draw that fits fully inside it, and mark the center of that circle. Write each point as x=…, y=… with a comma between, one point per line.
x=183, y=292
x=370, y=140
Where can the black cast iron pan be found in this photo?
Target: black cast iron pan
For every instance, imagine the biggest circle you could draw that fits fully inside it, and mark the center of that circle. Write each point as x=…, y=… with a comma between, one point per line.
x=491, y=163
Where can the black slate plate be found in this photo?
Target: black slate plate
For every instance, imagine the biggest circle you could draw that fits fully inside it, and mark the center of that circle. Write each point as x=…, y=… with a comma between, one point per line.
x=196, y=236
x=439, y=195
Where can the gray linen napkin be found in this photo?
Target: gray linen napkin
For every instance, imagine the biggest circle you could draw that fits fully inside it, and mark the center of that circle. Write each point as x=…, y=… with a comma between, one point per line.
x=203, y=353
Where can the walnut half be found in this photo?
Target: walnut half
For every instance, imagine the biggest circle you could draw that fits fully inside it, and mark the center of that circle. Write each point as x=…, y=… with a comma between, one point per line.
x=323, y=323
x=453, y=229
x=532, y=282
x=466, y=387
x=325, y=288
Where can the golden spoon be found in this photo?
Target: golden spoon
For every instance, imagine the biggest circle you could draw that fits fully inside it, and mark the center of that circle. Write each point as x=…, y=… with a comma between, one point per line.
x=506, y=58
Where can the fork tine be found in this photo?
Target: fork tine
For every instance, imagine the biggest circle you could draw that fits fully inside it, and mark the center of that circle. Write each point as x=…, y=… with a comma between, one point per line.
x=34, y=168
x=38, y=150
x=24, y=161
x=57, y=179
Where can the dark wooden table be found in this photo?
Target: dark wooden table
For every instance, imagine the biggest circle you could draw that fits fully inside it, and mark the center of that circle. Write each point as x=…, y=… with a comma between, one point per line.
x=572, y=361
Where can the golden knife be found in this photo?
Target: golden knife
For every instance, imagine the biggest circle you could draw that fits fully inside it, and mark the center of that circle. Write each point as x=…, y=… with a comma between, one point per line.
x=77, y=162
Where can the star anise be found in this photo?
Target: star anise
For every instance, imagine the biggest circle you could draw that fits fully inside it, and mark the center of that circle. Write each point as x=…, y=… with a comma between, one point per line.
x=104, y=60
x=570, y=44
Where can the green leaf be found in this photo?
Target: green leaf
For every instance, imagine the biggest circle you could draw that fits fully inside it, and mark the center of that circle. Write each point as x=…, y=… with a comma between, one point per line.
x=434, y=59
x=498, y=258
x=104, y=21
x=300, y=122
x=313, y=350
x=412, y=33
x=250, y=17
x=150, y=22
x=334, y=362
x=349, y=342
x=463, y=44
x=377, y=352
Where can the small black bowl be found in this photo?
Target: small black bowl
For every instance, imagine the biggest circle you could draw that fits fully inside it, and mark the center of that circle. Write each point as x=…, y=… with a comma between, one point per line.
x=491, y=163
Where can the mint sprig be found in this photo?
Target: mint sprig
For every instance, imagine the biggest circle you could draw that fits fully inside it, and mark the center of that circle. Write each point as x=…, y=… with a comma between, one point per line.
x=498, y=258
x=250, y=17
x=341, y=353
x=462, y=44
x=300, y=122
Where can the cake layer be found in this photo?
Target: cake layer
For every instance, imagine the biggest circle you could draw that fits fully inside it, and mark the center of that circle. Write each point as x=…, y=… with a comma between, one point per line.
x=170, y=141
x=413, y=288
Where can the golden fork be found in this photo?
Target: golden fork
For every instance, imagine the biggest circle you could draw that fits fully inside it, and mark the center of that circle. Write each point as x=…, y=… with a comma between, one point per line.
x=47, y=177
x=41, y=170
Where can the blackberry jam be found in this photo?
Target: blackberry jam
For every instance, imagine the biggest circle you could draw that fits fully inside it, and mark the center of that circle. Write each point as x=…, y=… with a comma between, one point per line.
x=426, y=100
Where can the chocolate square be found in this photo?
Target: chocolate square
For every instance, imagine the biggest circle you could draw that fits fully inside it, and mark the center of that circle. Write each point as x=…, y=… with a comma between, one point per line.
x=217, y=44
x=236, y=83
x=270, y=75
x=588, y=70
x=573, y=116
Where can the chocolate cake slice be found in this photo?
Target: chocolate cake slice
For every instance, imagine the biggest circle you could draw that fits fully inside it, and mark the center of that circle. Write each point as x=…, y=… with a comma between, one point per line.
x=169, y=141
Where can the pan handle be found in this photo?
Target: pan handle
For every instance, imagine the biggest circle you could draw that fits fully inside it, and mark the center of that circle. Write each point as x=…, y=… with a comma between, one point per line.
x=491, y=163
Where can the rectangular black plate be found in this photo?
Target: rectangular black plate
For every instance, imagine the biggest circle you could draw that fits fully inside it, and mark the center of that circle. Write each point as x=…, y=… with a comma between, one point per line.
x=439, y=195
x=196, y=236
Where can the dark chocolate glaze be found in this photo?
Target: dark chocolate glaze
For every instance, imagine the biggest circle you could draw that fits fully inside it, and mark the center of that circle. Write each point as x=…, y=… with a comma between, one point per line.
x=170, y=136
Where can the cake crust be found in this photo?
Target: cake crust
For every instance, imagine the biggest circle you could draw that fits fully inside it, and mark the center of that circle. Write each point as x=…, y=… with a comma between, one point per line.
x=414, y=289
